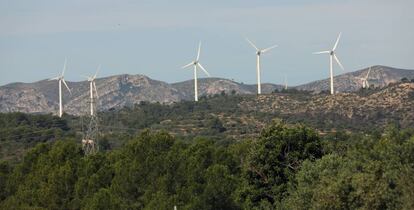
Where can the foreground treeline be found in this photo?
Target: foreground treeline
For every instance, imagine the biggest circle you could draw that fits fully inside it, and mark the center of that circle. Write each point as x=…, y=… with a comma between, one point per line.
x=287, y=167
x=20, y=131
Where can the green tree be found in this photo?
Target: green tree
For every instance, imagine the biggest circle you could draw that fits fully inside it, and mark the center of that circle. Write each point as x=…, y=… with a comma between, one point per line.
x=372, y=174
x=103, y=199
x=275, y=158
x=216, y=125
x=5, y=170
x=46, y=177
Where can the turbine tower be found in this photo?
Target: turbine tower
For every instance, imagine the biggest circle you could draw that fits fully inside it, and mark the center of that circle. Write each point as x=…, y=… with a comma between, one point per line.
x=92, y=90
x=258, y=53
x=61, y=80
x=196, y=64
x=364, y=80
x=332, y=55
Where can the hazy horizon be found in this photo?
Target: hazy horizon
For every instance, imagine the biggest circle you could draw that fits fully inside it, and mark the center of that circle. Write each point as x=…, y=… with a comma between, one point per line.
x=156, y=38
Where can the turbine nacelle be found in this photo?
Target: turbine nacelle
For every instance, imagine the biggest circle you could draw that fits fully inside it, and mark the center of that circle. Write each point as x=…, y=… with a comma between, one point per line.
x=61, y=80
x=364, y=80
x=332, y=56
x=91, y=80
x=196, y=64
x=259, y=52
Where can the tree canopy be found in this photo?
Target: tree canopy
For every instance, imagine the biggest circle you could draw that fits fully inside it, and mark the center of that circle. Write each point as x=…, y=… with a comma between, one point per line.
x=289, y=166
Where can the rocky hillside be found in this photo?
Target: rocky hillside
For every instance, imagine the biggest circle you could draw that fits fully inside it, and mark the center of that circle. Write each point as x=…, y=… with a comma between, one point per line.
x=364, y=109
x=211, y=86
x=238, y=117
x=380, y=76
x=114, y=92
x=127, y=90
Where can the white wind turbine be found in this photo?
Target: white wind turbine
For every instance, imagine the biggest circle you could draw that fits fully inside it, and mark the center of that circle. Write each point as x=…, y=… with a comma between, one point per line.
x=61, y=80
x=196, y=64
x=258, y=53
x=92, y=89
x=332, y=55
x=364, y=80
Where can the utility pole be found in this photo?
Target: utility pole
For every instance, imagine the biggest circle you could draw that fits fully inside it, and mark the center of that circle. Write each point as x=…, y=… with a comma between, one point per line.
x=90, y=140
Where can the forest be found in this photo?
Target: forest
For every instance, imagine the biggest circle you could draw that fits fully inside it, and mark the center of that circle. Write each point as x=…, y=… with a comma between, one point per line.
x=286, y=166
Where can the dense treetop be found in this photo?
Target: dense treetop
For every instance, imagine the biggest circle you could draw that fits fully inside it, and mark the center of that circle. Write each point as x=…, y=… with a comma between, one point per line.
x=289, y=166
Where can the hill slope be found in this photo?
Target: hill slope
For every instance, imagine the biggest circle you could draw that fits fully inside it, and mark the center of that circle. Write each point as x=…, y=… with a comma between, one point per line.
x=114, y=92
x=127, y=90
x=380, y=76
x=243, y=116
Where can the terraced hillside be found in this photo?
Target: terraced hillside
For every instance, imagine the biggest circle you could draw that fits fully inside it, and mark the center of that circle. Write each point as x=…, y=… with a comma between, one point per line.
x=244, y=116
x=224, y=117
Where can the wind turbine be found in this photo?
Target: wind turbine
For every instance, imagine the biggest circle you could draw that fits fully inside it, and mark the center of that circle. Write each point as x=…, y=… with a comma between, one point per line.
x=364, y=80
x=332, y=55
x=92, y=89
x=258, y=53
x=196, y=64
x=61, y=80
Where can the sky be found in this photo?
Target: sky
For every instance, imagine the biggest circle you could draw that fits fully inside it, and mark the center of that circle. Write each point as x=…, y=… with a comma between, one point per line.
x=157, y=37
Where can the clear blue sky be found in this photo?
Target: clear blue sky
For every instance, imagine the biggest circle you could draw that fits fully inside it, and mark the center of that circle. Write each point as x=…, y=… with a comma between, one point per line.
x=156, y=38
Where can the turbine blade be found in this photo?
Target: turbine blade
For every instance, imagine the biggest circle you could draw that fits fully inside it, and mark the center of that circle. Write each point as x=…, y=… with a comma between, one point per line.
x=96, y=91
x=97, y=71
x=339, y=63
x=369, y=70
x=64, y=67
x=199, y=50
x=337, y=41
x=190, y=64
x=202, y=68
x=64, y=82
x=321, y=52
x=269, y=48
x=251, y=43
x=54, y=78
x=87, y=77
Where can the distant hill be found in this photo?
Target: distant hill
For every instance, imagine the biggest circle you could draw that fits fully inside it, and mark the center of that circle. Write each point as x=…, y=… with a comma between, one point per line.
x=211, y=86
x=380, y=76
x=127, y=90
x=114, y=92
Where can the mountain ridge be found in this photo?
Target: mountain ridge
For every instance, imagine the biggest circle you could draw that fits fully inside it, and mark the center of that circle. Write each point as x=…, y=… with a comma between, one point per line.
x=127, y=90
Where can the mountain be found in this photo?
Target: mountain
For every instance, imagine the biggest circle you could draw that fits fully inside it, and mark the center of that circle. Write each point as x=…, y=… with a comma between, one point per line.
x=211, y=86
x=380, y=76
x=127, y=90
x=114, y=92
